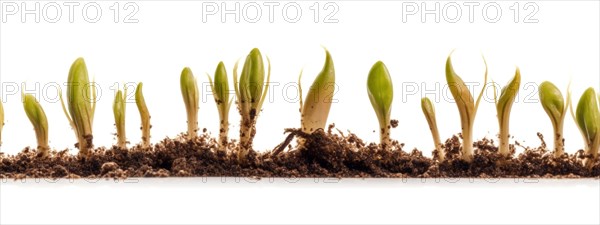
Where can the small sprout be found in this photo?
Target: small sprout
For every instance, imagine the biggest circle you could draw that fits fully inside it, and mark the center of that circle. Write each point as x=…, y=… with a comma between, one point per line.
x=429, y=112
x=81, y=100
x=38, y=119
x=587, y=118
x=1, y=120
x=315, y=110
x=119, y=107
x=189, y=91
x=503, y=107
x=381, y=94
x=554, y=105
x=220, y=89
x=144, y=114
x=250, y=97
x=466, y=106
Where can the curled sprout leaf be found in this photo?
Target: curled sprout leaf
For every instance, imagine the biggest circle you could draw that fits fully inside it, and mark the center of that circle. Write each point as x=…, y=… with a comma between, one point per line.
x=144, y=115
x=381, y=94
x=467, y=107
x=553, y=103
x=220, y=89
x=1, y=120
x=587, y=118
x=189, y=91
x=429, y=112
x=38, y=119
x=503, y=107
x=251, y=91
x=119, y=108
x=81, y=101
x=316, y=107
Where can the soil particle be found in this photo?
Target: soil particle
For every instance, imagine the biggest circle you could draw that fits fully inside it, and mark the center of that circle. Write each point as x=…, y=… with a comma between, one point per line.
x=394, y=123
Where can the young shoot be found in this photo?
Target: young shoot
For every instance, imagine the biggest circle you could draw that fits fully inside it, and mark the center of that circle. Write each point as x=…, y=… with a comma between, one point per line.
x=119, y=113
x=144, y=115
x=381, y=94
x=220, y=89
x=429, y=112
x=189, y=91
x=554, y=105
x=315, y=109
x=467, y=107
x=503, y=107
x=251, y=91
x=1, y=120
x=587, y=118
x=38, y=119
x=81, y=101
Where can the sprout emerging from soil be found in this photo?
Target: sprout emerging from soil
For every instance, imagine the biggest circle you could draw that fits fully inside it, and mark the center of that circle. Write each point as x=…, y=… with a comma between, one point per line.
x=251, y=91
x=554, y=105
x=587, y=118
x=315, y=109
x=119, y=113
x=220, y=89
x=381, y=94
x=503, y=107
x=466, y=106
x=144, y=115
x=81, y=100
x=429, y=112
x=38, y=119
x=189, y=91
x=1, y=120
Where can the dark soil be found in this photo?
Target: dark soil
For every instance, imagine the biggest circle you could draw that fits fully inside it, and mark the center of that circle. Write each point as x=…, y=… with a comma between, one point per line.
x=328, y=153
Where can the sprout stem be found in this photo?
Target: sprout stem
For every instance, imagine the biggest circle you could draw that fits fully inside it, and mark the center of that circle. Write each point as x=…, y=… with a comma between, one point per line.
x=429, y=112
x=38, y=119
x=189, y=91
x=119, y=113
x=144, y=115
x=220, y=89
x=503, y=108
x=381, y=94
x=1, y=120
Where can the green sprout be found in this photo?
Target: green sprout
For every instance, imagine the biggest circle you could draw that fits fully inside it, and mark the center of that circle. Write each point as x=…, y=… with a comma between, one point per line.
x=144, y=114
x=251, y=91
x=503, y=107
x=381, y=94
x=587, y=118
x=81, y=100
x=429, y=112
x=1, y=120
x=554, y=105
x=466, y=106
x=38, y=119
x=315, y=110
x=189, y=91
x=119, y=107
x=220, y=89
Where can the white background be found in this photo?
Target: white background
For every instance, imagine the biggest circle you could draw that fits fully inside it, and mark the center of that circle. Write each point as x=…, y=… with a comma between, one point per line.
x=168, y=36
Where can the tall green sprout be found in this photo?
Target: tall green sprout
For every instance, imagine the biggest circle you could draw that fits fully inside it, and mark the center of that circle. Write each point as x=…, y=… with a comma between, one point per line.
x=587, y=118
x=315, y=109
x=81, y=100
x=553, y=103
x=38, y=119
x=381, y=94
x=429, y=112
x=251, y=91
x=144, y=115
x=503, y=107
x=119, y=109
x=189, y=91
x=467, y=107
x=220, y=89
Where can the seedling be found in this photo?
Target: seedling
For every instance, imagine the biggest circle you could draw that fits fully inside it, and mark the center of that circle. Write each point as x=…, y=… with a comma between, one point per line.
x=144, y=115
x=554, y=105
x=220, y=89
x=503, y=107
x=587, y=118
x=1, y=120
x=381, y=94
x=38, y=119
x=429, y=112
x=189, y=91
x=466, y=106
x=119, y=108
x=315, y=109
x=250, y=97
x=81, y=100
